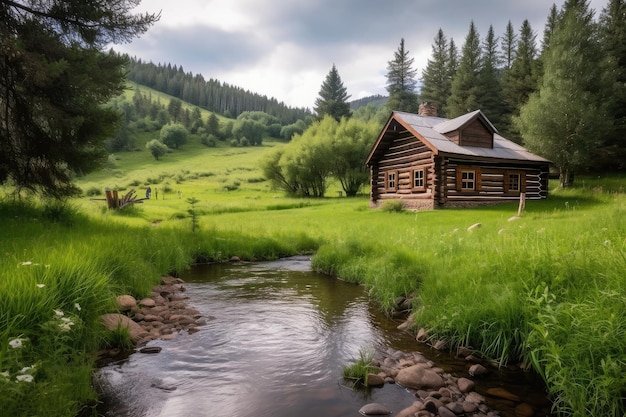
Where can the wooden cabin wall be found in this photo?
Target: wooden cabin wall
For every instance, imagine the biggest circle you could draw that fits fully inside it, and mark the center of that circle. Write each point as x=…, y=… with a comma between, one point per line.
x=405, y=154
x=492, y=184
x=476, y=134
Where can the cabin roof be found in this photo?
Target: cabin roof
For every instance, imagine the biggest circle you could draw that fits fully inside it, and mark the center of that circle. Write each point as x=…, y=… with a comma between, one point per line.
x=431, y=131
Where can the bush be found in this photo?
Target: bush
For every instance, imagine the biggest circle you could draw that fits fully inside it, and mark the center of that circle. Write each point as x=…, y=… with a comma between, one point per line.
x=392, y=206
x=93, y=192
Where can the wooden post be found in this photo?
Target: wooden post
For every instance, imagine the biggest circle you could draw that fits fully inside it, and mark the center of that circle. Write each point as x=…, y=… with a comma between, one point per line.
x=522, y=204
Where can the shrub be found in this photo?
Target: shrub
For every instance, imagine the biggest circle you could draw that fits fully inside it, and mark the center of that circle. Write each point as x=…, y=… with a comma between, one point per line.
x=93, y=191
x=392, y=206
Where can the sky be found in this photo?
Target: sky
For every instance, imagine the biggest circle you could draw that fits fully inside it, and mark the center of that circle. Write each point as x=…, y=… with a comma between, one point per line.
x=286, y=48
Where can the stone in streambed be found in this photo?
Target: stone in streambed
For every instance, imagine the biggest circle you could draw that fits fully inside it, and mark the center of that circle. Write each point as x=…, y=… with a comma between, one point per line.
x=113, y=321
x=374, y=409
x=419, y=377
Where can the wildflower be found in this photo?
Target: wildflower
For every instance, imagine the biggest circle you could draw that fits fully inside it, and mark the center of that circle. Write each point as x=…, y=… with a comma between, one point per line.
x=4, y=375
x=41, y=285
x=25, y=263
x=16, y=343
x=26, y=370
x=59, y=313
x=24, y=378
x=77, y=306
x=66, y=327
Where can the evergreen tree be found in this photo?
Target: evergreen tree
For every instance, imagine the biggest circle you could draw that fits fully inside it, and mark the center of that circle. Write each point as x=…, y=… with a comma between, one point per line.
x=453, y=59
x=333, y=97
x=490, y=98
x=465, y=94
x=519, y=81
x=509, y=43
x=401, y=81
x=436, y=80
x=565, y=121
x=56, y=76
x=613, y=36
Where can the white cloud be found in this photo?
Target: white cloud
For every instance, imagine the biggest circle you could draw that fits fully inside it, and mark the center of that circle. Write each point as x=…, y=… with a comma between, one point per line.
x=285, y=49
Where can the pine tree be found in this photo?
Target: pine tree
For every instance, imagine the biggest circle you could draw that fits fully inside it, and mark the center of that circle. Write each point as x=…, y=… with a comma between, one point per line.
x=509, y=42
x=401, y=81
x=565, y=121
x=465, y=93
x=613, y=36
x=56, y=76
x=519, y=81
x=436, y=80
x=333, y=97
x=490, y=98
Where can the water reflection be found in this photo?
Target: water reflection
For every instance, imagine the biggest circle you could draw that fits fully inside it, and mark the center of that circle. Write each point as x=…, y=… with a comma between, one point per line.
x=274, y=344
x=275, y=340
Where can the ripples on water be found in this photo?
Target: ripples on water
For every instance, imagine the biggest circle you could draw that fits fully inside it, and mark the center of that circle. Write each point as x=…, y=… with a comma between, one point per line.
x=276, y=338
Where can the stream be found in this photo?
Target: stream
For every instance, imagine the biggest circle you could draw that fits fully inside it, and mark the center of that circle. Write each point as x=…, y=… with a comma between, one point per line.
x=276, y=337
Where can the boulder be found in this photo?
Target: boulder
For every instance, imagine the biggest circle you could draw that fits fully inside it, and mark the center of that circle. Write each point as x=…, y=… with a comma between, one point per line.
x=113, y=321
x=419, y=377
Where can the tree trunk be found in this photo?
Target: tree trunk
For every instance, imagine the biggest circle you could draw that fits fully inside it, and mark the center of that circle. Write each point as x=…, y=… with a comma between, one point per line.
x=566, y=178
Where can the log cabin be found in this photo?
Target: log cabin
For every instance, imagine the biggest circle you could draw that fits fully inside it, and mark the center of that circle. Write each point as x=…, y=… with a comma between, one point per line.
x=429, y=162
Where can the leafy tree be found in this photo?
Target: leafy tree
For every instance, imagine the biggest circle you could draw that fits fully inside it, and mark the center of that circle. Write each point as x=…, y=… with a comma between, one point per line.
x=401, y=81
x=55, y=79
x=465, y=93
x=350, y=146
x=173, y=135
x=565, y=120
x=436, y=77
x=156, y=148
x=175, y=109
x=297, y=128
x=613, y=36
x=333, y=97
x=252, y=130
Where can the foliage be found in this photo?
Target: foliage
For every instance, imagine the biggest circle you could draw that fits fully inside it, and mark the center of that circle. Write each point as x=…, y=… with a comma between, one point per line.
x=401, y=81
x=333, y=97
x=566, y=119
x=326, y=149
x=491, y=100
x=173, y=135
x=52, y=125
x=156, y=148
x=357, y=372
x=392, y=206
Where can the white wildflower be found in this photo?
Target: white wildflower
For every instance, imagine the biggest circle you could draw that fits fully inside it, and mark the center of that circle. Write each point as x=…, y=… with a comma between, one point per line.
x=59, y=313
x=4, y=375
x=16, y=343
x=41, y=285
x=26, y=370
x=66, y=326
x=24, y=378
x=25, y=263
x=77, y=306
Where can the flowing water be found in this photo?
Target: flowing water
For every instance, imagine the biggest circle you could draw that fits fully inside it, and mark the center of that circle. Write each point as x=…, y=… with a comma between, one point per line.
x=274, y=343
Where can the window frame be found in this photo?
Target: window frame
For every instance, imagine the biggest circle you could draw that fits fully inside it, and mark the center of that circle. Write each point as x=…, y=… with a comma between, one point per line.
x=424, y=176
x=476, y=171
x=389, y=186
x=521, y=177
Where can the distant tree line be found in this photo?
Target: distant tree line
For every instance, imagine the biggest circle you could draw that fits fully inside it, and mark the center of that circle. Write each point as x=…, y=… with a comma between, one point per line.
x=212, y=95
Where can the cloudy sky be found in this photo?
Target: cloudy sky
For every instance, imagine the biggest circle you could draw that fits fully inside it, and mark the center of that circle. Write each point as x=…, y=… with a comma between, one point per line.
x=285, y=48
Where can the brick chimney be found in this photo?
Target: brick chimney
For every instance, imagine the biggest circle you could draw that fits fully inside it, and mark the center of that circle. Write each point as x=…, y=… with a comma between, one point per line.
x=428, y=109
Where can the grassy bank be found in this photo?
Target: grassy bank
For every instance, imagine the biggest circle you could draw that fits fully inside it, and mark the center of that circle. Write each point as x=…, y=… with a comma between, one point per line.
x=546, y=290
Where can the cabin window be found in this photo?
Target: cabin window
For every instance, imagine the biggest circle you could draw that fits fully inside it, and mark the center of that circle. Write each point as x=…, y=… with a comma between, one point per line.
x=513, y=182
x=468, y=180
x=419, y=179
x=391, y=181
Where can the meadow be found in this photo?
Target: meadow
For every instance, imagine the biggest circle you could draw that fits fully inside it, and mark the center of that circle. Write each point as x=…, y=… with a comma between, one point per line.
x=546, y=291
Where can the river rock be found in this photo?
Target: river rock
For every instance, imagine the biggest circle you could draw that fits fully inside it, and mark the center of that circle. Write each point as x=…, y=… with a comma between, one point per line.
x=418, y=377
x=374, y=409
x=412, y=410
x=524, y=410
x=422, y=335
x=445, y=412
x=502, y=393
x=374, y=380
x=147, y=302
x=477, y=370
x=150, y=349
x=125, y=302
x=465, y=385
x=113, y=321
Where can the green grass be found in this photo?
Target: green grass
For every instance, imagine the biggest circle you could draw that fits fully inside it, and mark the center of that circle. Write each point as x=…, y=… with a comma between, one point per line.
x=356, y=373
x=546, y=290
